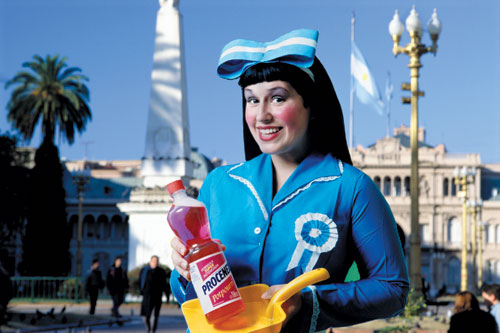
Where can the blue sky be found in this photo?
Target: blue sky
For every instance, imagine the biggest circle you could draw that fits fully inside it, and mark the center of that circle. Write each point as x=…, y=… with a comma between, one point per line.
x=112, y=41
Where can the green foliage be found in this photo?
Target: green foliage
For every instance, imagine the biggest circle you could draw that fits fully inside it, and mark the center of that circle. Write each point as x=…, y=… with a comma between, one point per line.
x=416, y=304
x=133, y=279
x=67, y=289
x=46, y=240
x=14, y=194
x=51, y=94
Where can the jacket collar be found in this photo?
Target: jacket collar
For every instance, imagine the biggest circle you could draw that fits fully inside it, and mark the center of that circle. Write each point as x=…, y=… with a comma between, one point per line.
x=258, y=173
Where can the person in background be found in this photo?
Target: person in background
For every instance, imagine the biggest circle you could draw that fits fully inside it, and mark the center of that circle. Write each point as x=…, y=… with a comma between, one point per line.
x=491, y=295
x=468, y=317
x=117, y=283
x=94, y=283
x=153, y=283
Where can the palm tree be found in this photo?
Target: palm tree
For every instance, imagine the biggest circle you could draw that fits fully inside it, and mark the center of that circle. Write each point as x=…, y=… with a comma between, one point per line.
x=52, y=94
x=55, y=96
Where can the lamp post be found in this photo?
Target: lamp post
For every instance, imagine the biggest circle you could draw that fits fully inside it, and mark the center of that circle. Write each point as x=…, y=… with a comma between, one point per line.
x=80, y=179
x=474, y=209
x=463, y=177
x=480, y=254
x=415, y=49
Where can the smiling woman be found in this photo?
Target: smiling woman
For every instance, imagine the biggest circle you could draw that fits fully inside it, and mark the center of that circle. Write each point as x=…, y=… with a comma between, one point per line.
x=297, y=203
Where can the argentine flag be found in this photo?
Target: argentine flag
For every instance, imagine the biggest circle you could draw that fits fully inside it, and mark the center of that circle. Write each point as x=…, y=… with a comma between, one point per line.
x=363, y=83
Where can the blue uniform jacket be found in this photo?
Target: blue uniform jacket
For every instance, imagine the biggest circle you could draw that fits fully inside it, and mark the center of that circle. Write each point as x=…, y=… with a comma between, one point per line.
x=327, y=214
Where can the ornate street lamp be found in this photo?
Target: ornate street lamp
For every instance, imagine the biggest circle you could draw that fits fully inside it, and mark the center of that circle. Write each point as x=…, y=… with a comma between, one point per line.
x=482, y=224
x=463, y=177
x=475, y=208
x=415, y=49
x=80, y=179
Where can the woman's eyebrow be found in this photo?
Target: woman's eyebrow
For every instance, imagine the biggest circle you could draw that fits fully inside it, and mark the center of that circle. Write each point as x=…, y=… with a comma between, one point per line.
x=279, y=90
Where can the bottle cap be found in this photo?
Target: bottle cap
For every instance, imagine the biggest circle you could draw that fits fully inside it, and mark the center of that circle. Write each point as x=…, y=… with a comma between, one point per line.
x=175, y=186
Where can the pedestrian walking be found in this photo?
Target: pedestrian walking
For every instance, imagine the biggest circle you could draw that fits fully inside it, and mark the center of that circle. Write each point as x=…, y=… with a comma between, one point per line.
x=117, y=283
x=491, y=295
x=468, y=317
x=94, y=283
x=153, y=283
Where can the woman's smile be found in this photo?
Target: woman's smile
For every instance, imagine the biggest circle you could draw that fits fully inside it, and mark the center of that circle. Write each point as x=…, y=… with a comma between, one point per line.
x=268, y=133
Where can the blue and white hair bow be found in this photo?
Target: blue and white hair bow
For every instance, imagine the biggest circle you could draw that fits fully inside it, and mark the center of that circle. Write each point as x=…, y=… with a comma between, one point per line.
x=297, y=48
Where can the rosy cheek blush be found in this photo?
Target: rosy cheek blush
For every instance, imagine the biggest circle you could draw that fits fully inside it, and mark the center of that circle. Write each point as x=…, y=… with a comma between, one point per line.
x=288, y=115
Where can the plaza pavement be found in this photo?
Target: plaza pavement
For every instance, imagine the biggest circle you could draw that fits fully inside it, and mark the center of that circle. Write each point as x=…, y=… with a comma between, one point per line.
x=171, y=319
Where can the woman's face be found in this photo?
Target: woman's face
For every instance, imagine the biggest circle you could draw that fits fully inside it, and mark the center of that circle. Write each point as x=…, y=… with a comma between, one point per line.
x=277, y=118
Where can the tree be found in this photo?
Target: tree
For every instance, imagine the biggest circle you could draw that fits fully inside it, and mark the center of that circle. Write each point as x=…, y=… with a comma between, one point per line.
x=53, y=95
x=14, y=196
x=56, y=97
x=46, y=239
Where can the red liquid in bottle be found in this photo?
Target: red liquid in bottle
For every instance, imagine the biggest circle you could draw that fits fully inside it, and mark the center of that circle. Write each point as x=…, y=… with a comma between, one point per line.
x=210, y=274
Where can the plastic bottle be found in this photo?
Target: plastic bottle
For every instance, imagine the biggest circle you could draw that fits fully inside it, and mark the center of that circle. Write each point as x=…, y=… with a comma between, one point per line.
x=211, y=277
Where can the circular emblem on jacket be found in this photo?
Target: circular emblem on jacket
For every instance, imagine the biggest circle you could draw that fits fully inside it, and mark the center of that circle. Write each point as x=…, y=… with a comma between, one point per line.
x=316, y=233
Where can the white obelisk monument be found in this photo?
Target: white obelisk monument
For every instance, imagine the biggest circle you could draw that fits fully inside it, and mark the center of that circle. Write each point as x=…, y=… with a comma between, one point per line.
x=167, y=152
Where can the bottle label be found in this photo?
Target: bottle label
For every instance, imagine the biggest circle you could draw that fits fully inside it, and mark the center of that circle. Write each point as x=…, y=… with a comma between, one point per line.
x=213, y=282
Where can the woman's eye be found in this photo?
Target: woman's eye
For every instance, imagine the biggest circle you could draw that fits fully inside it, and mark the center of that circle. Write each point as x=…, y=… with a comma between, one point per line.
x=278, y=99
x=252, y=100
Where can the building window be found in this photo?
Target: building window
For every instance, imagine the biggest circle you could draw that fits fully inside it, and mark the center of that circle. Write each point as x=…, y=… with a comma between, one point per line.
x=425, y=233
x=121, y=227
x=104, y=262
x=90, y=226
x=377, y=181
x=73, y=226
x=454, y=274
x=104, y=226
x=397, y=186
x=454, y=230
x=497, y=272
x=107, y=190
x=446, y=185
x=489, y=271
x=453, y=188
x=387, y=186
x=490, y=234
x=406, y=189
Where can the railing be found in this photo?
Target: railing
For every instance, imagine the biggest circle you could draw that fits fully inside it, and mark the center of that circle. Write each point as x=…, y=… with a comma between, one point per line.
x=50, y=288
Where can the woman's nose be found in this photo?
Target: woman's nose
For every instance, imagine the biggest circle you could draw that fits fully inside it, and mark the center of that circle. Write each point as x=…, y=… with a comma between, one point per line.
x=264, y=114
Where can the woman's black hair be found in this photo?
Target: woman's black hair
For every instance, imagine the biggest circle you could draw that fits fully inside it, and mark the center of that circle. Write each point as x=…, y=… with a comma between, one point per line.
x=326, y=122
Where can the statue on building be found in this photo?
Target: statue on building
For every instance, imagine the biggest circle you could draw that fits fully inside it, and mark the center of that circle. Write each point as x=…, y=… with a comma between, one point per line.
x=171, y=3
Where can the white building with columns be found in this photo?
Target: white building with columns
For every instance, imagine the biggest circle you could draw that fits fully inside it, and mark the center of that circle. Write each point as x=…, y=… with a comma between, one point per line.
x=387, y=162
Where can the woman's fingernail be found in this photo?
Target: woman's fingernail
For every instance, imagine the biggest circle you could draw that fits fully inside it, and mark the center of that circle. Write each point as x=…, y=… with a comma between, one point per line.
x=184, y=265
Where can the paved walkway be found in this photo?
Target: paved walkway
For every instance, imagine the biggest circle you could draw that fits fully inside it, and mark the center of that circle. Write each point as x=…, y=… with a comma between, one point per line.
x=171, y=319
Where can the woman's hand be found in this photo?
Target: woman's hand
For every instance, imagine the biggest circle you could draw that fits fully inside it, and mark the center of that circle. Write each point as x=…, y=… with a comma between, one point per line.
x=178, y=252
x=291, y=306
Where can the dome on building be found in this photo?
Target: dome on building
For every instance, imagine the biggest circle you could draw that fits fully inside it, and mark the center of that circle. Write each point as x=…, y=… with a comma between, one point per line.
x=201, y=164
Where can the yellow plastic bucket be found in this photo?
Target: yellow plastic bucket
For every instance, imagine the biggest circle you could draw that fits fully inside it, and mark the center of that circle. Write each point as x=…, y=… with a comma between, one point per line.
x=260, y=315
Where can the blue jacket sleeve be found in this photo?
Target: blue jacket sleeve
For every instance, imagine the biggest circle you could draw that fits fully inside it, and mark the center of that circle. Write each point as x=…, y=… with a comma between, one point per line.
x=181, y=288
x=383, y=288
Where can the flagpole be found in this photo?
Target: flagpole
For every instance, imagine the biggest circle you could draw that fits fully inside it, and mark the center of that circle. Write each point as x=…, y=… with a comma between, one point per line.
x=388, y=134
x=388, y=97
x=351, y=113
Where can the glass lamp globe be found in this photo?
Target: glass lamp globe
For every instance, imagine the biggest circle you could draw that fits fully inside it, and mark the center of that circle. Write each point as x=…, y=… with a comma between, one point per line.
x=413, y=22
x=395, y=26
